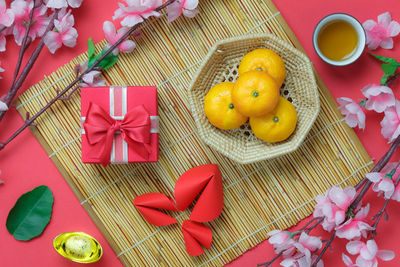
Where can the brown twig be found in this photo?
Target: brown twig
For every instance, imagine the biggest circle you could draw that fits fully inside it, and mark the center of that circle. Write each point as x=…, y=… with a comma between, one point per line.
x=393, y=78
x=266, y=264
x=319, y=221
x=28, y=67
x=314, y=264
x=77, y=79
x=304, y=228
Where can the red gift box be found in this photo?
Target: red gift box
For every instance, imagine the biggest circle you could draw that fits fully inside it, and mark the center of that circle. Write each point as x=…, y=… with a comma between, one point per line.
x=119, y=124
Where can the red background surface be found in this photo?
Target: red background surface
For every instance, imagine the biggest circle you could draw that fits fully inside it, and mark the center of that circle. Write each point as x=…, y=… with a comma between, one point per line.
x=25, y=165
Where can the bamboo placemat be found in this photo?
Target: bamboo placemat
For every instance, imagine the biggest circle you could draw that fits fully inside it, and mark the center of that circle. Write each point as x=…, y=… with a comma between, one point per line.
x=258, y=197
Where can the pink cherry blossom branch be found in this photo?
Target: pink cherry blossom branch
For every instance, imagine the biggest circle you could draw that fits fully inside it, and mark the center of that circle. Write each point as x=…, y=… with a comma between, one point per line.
x=366, y=185
x=378, y=167
x=29, y=121
x=28, y=67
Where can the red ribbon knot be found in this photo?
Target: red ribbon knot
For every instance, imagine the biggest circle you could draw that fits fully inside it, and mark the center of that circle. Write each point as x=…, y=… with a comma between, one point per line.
x=100, y=128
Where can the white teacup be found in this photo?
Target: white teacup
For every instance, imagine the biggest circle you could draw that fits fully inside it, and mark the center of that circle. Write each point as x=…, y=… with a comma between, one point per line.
x=357, y=27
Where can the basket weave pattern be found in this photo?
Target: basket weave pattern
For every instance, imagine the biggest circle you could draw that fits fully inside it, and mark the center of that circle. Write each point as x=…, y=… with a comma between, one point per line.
x=221, y=64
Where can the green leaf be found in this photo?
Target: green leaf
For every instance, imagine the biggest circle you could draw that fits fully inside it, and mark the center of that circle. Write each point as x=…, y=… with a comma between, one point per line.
x=91, y=48
x=390, y=68
x=30, y=215
x=93, y=60
x=108, y=61
x=384, y=59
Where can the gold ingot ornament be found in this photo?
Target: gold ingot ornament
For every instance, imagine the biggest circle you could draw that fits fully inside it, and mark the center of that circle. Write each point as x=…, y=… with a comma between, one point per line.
x=78, y=247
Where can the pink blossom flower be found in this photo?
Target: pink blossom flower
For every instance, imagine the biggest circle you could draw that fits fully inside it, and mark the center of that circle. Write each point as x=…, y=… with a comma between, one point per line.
x=112, y=37
x=282, y=242
x=21, y=10
x=354, y=114
x=92, y=79
x=63, y=3
x=302, y=255
x=387, y=169
x=368, y=253
x=6, y=15
x=382, y=183
x=379, y=97
x=355, y=227
x=64, y=33
x=391, y=122
x=308, y=244
x=187, y=7
x=333, y=206
x=136, y=11
x=381, y=33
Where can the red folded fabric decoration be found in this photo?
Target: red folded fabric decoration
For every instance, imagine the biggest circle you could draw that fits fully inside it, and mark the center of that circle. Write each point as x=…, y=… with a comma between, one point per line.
x=148, y=205
x=206, y=179
x=134, y=127
x=204, y=182
x=195, y=235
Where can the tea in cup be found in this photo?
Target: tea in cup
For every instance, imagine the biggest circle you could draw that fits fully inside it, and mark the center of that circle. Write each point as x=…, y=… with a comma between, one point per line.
x=339, y=39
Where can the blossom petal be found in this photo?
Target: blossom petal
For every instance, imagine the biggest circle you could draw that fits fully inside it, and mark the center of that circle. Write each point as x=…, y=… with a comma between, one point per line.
x=387, y=43
x=109, y=31
x=362, y=213
x=57, y=3
x=190, y=13
x=174, y=11
x=385, y=255
x=369, y=24
x=394, y=28
x=387, y=187
x=2, y=43
x=53, y=41
x=7, y=18
x=391, y=122
x=191, y=4
x=374, y=176
x=127, y=46
x=384, y=19
x=3, y=106
x=369, y=251
x=354, y=247
x=346, y=259
x=74, y=3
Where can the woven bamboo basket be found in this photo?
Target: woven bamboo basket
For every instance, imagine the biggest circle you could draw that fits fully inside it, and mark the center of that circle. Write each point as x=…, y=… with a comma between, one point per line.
x=221, y=64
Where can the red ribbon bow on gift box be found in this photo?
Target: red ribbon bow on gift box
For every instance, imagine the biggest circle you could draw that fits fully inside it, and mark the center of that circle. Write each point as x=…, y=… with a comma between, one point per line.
x=135, y=130
x=205, y=180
